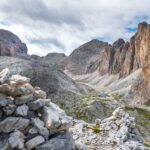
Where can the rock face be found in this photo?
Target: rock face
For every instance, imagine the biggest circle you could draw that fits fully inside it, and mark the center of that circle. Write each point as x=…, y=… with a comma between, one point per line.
x=85, y=59
x=11, y=45
x=123, y=58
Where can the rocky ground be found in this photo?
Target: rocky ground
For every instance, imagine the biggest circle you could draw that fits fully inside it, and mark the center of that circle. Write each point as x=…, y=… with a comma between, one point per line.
x=30, y=121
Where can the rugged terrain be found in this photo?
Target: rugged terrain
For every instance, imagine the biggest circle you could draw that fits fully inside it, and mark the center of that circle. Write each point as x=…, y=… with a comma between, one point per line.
x=30, y=121
x=95, y=80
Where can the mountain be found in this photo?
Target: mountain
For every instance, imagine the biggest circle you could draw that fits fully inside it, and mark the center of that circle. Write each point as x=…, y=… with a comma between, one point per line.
x=11, y=45
x=126, y=57
x=84, y=59
x=92, y=82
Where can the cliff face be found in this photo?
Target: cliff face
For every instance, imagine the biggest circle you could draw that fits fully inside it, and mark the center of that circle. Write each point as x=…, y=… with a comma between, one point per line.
x=124, y=58
x=11, y=45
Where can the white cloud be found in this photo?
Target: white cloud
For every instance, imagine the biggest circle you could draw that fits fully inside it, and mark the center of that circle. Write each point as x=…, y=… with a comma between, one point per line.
x=63, y=25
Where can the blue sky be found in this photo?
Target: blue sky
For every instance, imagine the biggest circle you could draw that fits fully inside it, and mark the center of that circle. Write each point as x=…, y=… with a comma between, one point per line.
x=63, y=25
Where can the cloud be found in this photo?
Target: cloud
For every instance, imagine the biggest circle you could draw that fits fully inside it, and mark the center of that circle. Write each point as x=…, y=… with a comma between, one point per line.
x=62, y=25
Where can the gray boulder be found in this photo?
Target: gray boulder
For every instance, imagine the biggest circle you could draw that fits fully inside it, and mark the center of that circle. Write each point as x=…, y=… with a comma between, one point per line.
x=61, y=142
x=34, y=142
x=16, y=140
x=13, y=123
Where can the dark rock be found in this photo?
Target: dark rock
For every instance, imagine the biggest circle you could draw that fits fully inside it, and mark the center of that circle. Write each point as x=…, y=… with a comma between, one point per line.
x=11, y=45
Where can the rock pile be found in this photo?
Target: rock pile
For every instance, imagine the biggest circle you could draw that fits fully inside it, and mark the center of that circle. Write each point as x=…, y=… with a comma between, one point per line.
x=28, y=120
x=117, y=132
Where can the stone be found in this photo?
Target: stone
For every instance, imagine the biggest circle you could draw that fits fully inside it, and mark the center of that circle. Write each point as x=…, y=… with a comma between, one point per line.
x=16, y=140
x=33, y=130
x=4, y=100
x=16, y=90
x=39, y=104
x=22, y=110
x=39, y=94
x=9, y=109
x=13, y=123
x=18, y=79
x=34, y=142
x=60, y=142
x=4, y=75
x=55, y=119
x=24, y=99
x=4, y=145
x=98, y=121
x=39, y=125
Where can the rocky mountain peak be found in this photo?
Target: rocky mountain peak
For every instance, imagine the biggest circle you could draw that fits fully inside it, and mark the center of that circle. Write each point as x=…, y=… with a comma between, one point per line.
x=11, y=45
x=127, y=56
x=118, y=43
x=85, y=59
x=142, y=26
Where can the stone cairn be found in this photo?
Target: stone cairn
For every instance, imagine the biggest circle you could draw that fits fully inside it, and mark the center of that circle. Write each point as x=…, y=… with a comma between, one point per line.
x=28, y=120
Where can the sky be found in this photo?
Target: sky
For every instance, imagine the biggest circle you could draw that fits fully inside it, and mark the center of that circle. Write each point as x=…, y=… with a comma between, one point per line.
x=62, y=25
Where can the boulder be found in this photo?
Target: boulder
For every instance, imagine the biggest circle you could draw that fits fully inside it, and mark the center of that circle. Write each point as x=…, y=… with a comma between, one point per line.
x=39, y=126
x=55, y=119
x=61, y=142
x=39, y=104
x=4, y=145
x=22, y=110
x=34, y=142
x=13, y=123
x=39, y=94
x=18, y=79
x=24, y=99
x=16, y=140
x=9, y=109
x=4, y=100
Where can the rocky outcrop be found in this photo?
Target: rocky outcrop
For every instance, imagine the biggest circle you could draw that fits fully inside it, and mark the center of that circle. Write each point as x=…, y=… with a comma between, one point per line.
x=11, y=45
x=123, y=58
x=84, y=59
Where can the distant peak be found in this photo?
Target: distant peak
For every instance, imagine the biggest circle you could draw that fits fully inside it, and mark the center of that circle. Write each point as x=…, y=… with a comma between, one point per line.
x=118, y=42
x=142, y=26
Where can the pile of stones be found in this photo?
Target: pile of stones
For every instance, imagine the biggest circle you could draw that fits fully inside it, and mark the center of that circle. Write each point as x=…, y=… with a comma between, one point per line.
x=28, y=120
x=117, y=132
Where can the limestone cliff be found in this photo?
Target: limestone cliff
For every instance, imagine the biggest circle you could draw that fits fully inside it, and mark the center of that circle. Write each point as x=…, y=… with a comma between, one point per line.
x=125, y=57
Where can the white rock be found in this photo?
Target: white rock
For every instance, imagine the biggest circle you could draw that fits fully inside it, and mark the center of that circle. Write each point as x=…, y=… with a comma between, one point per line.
x=18, y=79
x=34, y=142
x=55, y=118
x=39, y=94
x=22, y=110
x=4, y=75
